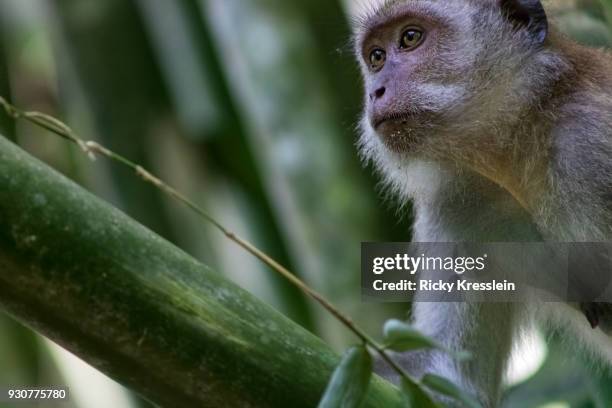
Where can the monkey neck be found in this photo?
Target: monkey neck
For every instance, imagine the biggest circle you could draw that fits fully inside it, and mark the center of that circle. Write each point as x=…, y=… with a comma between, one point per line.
x=522, y=174
x=526, y=186
x=520, y=161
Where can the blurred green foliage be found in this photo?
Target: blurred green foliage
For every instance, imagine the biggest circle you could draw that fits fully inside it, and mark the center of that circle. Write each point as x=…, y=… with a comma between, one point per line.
x=249, y=108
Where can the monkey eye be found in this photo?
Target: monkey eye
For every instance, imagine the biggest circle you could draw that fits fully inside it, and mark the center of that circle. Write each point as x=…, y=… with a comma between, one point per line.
x=378, y=57
x=411, y=38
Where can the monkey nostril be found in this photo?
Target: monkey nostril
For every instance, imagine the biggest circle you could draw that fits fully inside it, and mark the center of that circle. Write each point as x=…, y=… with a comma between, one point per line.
x=378, y=93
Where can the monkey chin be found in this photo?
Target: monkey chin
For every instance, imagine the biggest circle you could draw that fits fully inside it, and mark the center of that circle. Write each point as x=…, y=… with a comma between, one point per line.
x=401, y=135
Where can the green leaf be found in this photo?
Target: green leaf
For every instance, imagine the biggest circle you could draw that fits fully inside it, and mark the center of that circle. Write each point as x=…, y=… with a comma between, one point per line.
x=400, y=336
x=445, y=387
x=349, y=383
x=415, y=396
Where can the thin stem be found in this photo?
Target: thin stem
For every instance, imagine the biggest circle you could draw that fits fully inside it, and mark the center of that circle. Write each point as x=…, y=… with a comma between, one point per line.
x=92, y=149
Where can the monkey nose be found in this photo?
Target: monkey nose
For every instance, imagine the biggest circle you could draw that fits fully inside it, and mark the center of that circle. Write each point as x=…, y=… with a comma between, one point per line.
x=377, y=94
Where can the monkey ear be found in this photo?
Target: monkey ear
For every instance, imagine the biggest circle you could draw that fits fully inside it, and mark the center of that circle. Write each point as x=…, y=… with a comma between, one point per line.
x=528, y=14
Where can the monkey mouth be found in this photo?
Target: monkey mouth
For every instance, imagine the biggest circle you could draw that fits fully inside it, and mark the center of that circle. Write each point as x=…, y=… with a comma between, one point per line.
x=401, y=132
x=393, y=120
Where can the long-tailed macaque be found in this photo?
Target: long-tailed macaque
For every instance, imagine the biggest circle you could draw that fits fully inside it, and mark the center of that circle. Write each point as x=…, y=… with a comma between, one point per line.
x=497, y=127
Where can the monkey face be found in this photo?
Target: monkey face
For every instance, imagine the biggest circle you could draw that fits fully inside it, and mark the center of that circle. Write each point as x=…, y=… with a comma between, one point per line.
x=435, y=71
x=410, y=76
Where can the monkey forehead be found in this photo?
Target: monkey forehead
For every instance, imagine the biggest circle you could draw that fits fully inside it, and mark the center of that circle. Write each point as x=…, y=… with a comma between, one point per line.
x=384, y=12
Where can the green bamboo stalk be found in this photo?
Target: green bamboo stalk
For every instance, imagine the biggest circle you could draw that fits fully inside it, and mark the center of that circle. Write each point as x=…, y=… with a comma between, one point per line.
x=142, y=311
x=121, y=66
